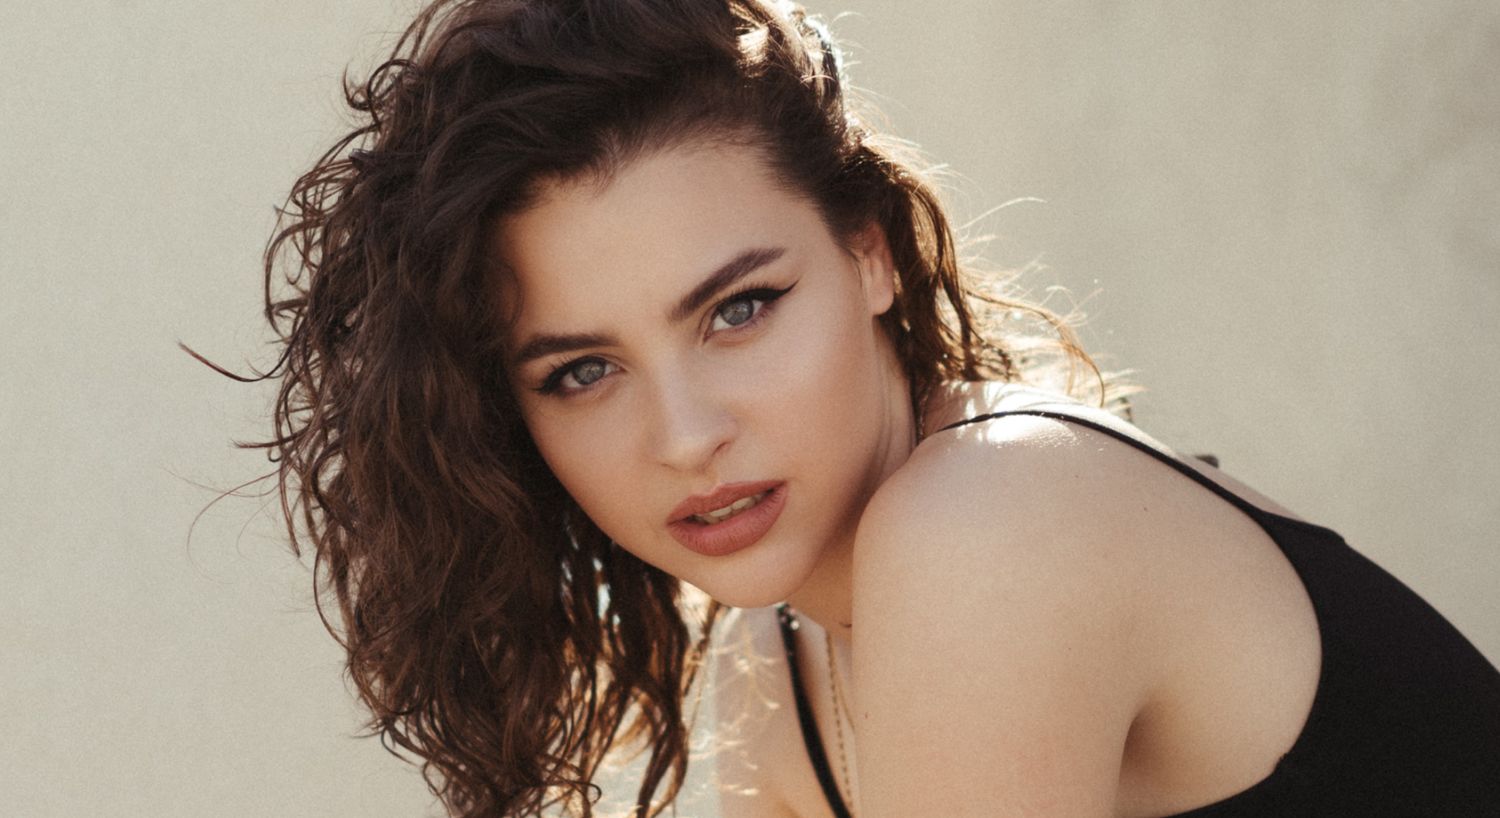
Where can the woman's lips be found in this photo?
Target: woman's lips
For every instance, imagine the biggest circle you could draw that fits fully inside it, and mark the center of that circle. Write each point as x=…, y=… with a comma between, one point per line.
x=739, y=531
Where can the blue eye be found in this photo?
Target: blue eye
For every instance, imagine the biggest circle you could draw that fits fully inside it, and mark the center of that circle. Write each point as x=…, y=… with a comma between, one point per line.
x=587, y=372
x=737, y=312
x=575, y=375
x=744, y=308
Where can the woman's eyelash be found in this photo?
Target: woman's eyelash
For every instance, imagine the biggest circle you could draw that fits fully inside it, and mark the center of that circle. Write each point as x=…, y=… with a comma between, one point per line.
x=552, y=384
x=765, y=295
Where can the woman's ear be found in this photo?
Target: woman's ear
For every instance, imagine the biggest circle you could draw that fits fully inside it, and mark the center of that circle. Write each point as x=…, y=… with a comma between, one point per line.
x=877, y=272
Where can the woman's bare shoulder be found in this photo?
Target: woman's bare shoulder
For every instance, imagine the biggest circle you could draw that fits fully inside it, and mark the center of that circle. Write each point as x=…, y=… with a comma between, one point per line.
x=1057, y=479
x=1011, y=488
x=1018, y=589
x=1011, y=466
x=997, y=595
x=957, y=402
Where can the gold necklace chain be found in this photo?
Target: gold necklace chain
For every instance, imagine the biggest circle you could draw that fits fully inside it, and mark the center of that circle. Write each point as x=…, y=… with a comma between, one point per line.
x=840, y=714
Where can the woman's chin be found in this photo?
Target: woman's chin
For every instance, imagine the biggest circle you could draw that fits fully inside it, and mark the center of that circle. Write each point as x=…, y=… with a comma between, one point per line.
x=751, y=594
x=747, y=597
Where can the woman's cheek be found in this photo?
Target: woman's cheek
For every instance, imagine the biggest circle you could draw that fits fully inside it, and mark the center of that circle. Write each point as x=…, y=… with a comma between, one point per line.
x=811, y=374
x=585, y=450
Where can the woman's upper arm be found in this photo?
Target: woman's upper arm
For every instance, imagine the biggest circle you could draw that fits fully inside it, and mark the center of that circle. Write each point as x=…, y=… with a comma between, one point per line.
x=997, y=650
x=747, y=804
x=743, y=685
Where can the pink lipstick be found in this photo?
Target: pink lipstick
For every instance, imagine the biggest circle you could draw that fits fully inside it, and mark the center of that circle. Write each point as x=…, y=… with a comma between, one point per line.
x=695, y=524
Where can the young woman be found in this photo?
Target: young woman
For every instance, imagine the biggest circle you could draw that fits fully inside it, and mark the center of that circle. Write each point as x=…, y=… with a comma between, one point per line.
x=604, y=298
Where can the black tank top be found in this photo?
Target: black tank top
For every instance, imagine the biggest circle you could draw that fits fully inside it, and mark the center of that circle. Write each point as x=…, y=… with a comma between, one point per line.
x=1406, y=717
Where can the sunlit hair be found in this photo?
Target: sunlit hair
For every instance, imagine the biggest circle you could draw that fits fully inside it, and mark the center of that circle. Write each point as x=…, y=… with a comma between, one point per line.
x=492, y=630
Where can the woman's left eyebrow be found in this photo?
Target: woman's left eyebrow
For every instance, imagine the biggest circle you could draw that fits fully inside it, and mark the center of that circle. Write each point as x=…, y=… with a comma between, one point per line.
x=731, y=271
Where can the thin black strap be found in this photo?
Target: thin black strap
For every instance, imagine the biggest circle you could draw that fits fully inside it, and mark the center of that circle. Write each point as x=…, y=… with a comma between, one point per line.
x=810, y=738
x=1255, y=512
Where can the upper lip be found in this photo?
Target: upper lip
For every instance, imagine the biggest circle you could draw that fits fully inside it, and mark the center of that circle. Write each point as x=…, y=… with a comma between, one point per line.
x=719, y=498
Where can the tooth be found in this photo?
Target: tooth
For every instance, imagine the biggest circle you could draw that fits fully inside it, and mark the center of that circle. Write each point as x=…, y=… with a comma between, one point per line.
x=721, y=514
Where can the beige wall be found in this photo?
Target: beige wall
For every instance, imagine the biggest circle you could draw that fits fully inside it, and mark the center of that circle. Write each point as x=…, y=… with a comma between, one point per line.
x=1282, y=215
x=1285, y=216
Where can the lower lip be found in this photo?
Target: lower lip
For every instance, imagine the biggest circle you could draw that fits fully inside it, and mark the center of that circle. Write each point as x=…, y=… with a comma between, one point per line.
x=740, y=531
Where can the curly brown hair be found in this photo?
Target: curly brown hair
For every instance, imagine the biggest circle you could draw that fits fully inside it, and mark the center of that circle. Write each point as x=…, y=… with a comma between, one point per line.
x=492, y=630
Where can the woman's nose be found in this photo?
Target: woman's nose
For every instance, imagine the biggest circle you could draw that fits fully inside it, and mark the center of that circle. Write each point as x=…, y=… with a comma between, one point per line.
x=691, y=426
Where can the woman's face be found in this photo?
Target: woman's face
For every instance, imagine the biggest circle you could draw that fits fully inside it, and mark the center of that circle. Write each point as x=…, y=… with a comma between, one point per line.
x=699, y=362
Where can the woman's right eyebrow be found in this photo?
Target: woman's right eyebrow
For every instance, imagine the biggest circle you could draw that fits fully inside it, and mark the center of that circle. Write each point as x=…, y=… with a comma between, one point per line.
x=729, y=272
x=747, y=262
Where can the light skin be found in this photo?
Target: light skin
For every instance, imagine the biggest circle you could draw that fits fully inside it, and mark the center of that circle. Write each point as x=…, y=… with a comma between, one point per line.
x=651, y=403
x=1013, y=656
x=1047, y=623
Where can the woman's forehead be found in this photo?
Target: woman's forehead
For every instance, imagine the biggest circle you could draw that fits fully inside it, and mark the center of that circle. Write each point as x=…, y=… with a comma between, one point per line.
x=649, y=234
